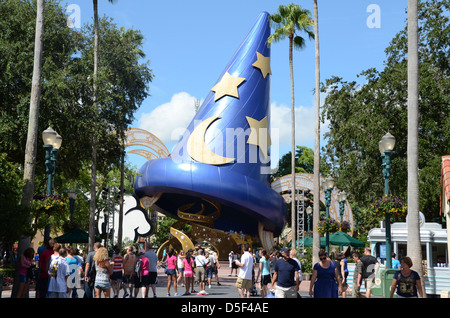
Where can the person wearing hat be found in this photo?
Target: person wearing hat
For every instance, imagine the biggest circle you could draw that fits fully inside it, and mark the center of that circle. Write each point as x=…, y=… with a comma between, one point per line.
x=286, y=276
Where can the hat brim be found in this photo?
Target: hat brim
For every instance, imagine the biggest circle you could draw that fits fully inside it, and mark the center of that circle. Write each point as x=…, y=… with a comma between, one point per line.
x=244, y=201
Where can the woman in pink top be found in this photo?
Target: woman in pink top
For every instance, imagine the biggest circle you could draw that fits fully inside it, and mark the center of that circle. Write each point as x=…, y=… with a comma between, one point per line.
x=171, y=271
x=188, y=265
x=143, y=280
x=24, y=280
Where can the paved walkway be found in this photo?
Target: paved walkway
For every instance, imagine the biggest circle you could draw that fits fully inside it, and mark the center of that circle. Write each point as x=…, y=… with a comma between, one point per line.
x=225, y=290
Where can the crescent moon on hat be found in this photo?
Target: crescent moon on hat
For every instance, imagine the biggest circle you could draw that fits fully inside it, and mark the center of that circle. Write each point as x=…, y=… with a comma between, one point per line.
x=197, y=148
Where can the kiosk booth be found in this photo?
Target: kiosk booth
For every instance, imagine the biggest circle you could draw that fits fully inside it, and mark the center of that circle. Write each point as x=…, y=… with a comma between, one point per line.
x=434, y=251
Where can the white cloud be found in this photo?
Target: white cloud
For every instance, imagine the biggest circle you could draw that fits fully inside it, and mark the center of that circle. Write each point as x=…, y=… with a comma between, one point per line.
x=168, y=121
x=305, y=118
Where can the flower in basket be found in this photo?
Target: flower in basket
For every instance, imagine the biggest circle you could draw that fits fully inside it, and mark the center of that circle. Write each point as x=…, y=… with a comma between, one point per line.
x=390, y=205
x=345, y=226
x=330, y=225
x=50, y=202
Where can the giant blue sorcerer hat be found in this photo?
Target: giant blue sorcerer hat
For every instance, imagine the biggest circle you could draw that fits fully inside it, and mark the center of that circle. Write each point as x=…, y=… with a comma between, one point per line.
x=224, y=158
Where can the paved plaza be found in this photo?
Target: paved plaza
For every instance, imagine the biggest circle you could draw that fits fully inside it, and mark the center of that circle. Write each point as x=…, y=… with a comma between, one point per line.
x=226, y=290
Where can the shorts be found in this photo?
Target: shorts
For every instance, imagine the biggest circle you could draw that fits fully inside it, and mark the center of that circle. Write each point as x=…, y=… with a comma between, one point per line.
x=23, y=279
x=116, y=275
x=369, y=282
x=188, y=274
x=152, y=278
x=285, y=292
x=141, y=281
x=200, y=274
x=99, y=285
x=265, y=279
x=356, y=293
x=209, y=272
x=243, y=283
x=127, y=279
x=171, y=271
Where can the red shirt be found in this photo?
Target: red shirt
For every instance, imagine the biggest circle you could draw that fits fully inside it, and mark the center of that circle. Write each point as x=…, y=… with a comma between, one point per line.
x=44, y=259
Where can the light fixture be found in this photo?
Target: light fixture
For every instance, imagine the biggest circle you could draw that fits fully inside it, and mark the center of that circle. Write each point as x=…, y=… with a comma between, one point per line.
x=309, y=210
x=58, y=141
x=342, y=196
x=49, y=136
x=387, y=142
x=329, y=183
x=72, y=194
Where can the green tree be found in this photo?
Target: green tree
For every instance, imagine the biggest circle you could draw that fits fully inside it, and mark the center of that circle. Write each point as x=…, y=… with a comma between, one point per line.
x=304, y=163
x=360, y=115
x=289, y=20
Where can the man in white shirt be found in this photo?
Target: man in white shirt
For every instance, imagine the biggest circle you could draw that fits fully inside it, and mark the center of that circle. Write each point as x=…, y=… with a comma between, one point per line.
x=200, y=271
x=244, y=280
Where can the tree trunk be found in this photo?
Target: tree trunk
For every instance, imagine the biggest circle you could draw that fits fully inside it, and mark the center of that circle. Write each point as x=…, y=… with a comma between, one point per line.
x=293, y=209
x=316, y=191
x=414, y=245
x=122, y=192
x=94, y=136
x=31, y=146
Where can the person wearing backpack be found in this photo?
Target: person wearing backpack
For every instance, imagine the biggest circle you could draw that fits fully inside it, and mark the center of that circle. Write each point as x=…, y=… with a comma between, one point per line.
x=89, y=273
x=142, y=277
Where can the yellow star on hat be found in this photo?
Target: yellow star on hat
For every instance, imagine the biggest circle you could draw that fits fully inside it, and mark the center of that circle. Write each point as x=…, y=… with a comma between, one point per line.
x=259, y=135
x=227, y=86
x=263, y=63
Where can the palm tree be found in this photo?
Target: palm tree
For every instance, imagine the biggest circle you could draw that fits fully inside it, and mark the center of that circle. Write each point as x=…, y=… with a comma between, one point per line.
x=289, y=20
x=92, y=206
x=31, y=146
x=316, y=191
x=414, y=246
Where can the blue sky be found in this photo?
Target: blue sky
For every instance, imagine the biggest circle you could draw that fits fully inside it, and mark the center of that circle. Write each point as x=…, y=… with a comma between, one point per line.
x=189, y=43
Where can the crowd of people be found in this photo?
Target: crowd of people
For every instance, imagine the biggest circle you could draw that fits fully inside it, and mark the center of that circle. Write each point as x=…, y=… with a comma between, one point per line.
x=278, y=274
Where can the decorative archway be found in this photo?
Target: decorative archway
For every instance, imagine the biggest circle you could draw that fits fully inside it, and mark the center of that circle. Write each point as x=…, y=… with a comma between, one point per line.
x=305, y=181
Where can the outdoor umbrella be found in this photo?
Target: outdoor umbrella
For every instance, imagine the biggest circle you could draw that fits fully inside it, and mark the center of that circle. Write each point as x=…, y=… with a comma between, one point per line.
x=308, y=241
x=75, y=236
x=342, y=239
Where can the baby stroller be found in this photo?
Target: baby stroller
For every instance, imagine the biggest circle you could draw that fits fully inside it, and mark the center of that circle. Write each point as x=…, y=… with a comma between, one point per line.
x=253, y=291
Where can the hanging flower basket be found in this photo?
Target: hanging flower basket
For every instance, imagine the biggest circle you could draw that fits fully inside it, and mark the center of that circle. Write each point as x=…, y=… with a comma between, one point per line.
x=345, y=226
x=330, y=225
x=389, y=205
x=50, y=203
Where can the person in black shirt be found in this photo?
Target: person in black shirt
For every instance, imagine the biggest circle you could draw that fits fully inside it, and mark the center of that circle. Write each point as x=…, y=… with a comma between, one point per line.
x=371, y=266
x=286, y=276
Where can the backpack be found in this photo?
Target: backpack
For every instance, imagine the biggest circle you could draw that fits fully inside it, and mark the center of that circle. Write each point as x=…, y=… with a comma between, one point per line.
x=137, y=267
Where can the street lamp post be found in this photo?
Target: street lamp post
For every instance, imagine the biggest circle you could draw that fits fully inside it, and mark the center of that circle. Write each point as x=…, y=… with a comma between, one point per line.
x=386, y=146
x=72, y=198
x=342, y=196
x=308, y=213
x=328, y=187
x=52, y=143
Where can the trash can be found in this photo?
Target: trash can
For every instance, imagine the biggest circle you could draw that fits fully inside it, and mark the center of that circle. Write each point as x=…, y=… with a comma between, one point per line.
x=383, y=282
x=388, y=278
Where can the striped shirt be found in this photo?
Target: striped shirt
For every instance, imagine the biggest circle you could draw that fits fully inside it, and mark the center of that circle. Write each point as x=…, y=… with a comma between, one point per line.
x=118, y=260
